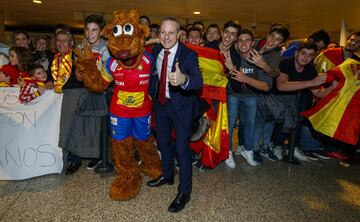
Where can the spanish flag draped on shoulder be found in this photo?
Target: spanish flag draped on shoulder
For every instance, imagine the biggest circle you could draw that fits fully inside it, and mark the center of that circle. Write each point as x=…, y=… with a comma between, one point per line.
x=338, y=114
x=214, y=146
x=328, y=59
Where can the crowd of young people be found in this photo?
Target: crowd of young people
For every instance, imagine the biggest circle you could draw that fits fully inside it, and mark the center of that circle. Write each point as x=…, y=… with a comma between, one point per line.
x=270, y=82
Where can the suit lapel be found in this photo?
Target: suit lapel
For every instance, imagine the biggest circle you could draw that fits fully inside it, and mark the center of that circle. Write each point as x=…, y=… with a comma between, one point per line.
x=155, y=53
x=177, y=56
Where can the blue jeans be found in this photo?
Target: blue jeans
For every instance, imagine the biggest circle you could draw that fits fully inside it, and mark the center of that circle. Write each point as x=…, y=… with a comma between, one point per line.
x=263, y=131
x=246, y=107
x=308, y=140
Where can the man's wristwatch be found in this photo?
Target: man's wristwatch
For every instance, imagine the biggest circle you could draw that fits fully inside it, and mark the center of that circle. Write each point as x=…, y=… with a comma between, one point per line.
x=186, y=79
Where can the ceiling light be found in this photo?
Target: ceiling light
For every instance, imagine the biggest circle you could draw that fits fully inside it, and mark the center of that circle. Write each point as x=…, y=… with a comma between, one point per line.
x=37, y=1
x=196, y=13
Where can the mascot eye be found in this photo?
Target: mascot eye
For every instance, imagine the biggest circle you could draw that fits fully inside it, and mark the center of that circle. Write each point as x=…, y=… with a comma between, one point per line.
x=128, y=29
x=117, y=30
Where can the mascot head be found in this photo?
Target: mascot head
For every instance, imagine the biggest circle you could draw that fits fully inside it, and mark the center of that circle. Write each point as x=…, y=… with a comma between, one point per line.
x=126, y=37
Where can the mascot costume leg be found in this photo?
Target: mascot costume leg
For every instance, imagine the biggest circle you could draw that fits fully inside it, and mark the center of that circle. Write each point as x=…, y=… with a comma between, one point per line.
x=127, y=64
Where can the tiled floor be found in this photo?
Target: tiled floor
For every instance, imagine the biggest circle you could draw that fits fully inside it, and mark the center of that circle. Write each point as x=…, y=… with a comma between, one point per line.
x=275, y=191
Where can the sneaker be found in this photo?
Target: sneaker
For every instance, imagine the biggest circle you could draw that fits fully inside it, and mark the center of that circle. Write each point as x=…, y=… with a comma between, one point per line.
x=249, y=157
x=200, y=167
x=337, y=155
x=257, y=158
x=230, y=161
x=278, y=152
x=239, y=149
x=93, y=164
x=204, y=125
x=321, y=154
x=268, y=154
x=195, y=159
x=310, y=155
x=300, y=155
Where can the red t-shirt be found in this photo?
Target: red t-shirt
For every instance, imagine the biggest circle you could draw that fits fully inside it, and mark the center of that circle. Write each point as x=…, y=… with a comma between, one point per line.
x=131, y=88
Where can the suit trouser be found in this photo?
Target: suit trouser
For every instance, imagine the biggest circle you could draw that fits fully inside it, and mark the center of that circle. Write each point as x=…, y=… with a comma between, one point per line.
x=166, y=121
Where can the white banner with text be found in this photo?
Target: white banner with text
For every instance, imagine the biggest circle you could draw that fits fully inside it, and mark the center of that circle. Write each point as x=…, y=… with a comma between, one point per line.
x=29, y=135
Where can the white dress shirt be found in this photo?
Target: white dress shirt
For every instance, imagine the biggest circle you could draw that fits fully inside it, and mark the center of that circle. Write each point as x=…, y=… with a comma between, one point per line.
x=171, y=58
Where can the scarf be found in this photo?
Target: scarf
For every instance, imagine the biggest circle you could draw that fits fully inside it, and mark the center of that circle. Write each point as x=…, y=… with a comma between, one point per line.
x=61, y=70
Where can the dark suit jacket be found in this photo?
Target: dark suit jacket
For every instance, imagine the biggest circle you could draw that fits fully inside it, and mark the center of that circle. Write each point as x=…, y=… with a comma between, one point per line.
x=183, y=99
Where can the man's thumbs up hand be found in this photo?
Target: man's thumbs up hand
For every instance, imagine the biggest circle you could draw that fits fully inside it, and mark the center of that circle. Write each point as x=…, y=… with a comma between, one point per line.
x=176, y=78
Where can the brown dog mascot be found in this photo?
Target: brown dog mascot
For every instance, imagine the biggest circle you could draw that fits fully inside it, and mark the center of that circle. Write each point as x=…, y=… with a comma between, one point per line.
x=128, y=65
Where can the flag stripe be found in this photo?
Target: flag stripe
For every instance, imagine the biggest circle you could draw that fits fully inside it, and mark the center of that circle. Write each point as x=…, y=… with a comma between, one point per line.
x=337, y=115
x=214, y=146
x=212, y=72
x=331, y=57
x=206, y=52
x=342, y=99
x=214, y=92
x=349, y=126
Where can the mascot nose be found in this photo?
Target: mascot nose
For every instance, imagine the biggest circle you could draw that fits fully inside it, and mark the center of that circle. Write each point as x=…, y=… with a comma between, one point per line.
x=124, y=54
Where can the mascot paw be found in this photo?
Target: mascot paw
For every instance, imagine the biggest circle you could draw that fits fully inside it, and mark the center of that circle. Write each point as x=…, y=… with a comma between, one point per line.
x=151, y=163
x=87, y=70
x=152, y=171
x=125, y=188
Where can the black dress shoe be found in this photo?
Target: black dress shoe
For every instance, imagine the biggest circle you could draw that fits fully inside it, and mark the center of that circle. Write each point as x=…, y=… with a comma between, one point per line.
x=72, y=168
x=179, y=202
x=159, y=182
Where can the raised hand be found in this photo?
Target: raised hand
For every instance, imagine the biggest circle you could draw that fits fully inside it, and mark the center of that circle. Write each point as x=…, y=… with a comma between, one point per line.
x=84, y=60
x=319, y=80
x=176, y=78
x=238, y=75
x=228, y=62
x=49, y=85
x=4, y=78
x=84, y=52
x=256, y=59
x=41, y=89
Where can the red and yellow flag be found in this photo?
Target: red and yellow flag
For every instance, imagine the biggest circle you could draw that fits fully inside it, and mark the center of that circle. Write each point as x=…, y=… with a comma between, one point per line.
x=328, y=59
x=338, y=114
x=214, y=146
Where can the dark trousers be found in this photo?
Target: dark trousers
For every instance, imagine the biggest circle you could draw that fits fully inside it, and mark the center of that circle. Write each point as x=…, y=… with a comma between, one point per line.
x=75, y=159
x=166, y=121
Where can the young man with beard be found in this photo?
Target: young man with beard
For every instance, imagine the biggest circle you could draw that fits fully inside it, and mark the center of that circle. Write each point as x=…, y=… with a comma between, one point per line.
x=326, y=60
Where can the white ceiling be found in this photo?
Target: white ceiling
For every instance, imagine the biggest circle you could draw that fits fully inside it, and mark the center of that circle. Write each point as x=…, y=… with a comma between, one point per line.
x=303, y=16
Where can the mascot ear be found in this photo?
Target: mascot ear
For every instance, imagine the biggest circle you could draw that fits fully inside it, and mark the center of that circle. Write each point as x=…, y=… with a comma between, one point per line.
x=145, y=30
x=134, y=17
x=107, y=31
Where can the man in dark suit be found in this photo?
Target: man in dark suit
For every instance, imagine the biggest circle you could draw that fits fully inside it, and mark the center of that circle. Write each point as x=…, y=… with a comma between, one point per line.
x=175, y=80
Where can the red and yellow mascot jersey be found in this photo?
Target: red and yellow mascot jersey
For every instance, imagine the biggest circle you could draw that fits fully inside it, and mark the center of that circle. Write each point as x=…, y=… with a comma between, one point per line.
x=130, y=97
